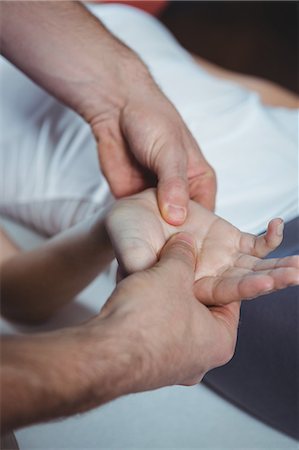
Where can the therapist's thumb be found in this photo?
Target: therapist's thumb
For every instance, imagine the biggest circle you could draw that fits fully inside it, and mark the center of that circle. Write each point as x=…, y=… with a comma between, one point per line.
x=178, y=256
x=173, y=187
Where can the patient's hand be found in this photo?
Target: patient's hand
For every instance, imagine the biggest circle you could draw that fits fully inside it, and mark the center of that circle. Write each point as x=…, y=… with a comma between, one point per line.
x=229, y=265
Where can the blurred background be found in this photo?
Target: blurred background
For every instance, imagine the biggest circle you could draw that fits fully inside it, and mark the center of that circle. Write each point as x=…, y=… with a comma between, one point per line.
x=255, y=37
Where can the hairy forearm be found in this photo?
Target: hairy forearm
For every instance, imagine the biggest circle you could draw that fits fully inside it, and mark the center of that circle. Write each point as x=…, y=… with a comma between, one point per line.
x=35, y=284
x=67, y=51
x=57, y=374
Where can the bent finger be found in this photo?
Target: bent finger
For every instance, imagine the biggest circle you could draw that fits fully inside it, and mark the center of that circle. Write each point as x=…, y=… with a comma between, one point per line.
x=262, y=245
x=283, y=277
x=276, y=263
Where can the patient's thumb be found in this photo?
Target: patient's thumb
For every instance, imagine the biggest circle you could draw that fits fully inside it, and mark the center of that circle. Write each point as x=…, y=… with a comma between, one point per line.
x=179, y=255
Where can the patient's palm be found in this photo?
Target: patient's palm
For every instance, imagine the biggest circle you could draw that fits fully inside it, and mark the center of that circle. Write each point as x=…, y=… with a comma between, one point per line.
x=229, y=265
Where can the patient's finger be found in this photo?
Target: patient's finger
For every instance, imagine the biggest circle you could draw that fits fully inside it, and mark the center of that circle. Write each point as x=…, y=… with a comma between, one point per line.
x=282, y=276
x=253, y=263
x=261, y=245
x=275, y=263
x=221, y=290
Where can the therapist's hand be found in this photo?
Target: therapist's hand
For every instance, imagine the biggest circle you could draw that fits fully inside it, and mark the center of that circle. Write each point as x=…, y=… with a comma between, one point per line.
x=177, y=338
x=145, y=142
x=141, y=137
x=229, y=264
x=152, y=332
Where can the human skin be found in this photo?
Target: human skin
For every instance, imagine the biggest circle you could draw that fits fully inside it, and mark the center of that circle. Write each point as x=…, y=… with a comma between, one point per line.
x=229, y=263
x=153, y=331
x=35, y=284
x=141, y=137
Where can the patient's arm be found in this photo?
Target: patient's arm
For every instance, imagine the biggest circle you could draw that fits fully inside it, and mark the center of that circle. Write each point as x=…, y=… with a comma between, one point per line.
x=229, y=265
x=270, y=93
x=36, y=283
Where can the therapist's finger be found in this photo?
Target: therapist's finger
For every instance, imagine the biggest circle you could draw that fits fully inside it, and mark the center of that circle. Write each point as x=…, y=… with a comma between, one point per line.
x=173, y=188
x=178, y=256
x=201, y=176
x=203, y=188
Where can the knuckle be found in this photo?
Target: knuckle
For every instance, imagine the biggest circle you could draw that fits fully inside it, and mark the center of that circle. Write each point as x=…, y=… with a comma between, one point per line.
x=174, y=183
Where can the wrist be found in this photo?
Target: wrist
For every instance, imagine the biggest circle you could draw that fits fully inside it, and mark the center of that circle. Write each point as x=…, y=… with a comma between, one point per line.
x=122, y=363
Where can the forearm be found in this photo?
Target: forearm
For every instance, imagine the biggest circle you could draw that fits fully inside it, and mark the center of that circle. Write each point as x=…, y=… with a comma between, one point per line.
x=58, y=374
x=35, y=284
x=270, y=93
x=67, y=51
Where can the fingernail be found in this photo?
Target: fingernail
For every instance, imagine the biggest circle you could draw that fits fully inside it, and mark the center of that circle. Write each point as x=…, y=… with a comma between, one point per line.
x=280, y=229
x=176, y=214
